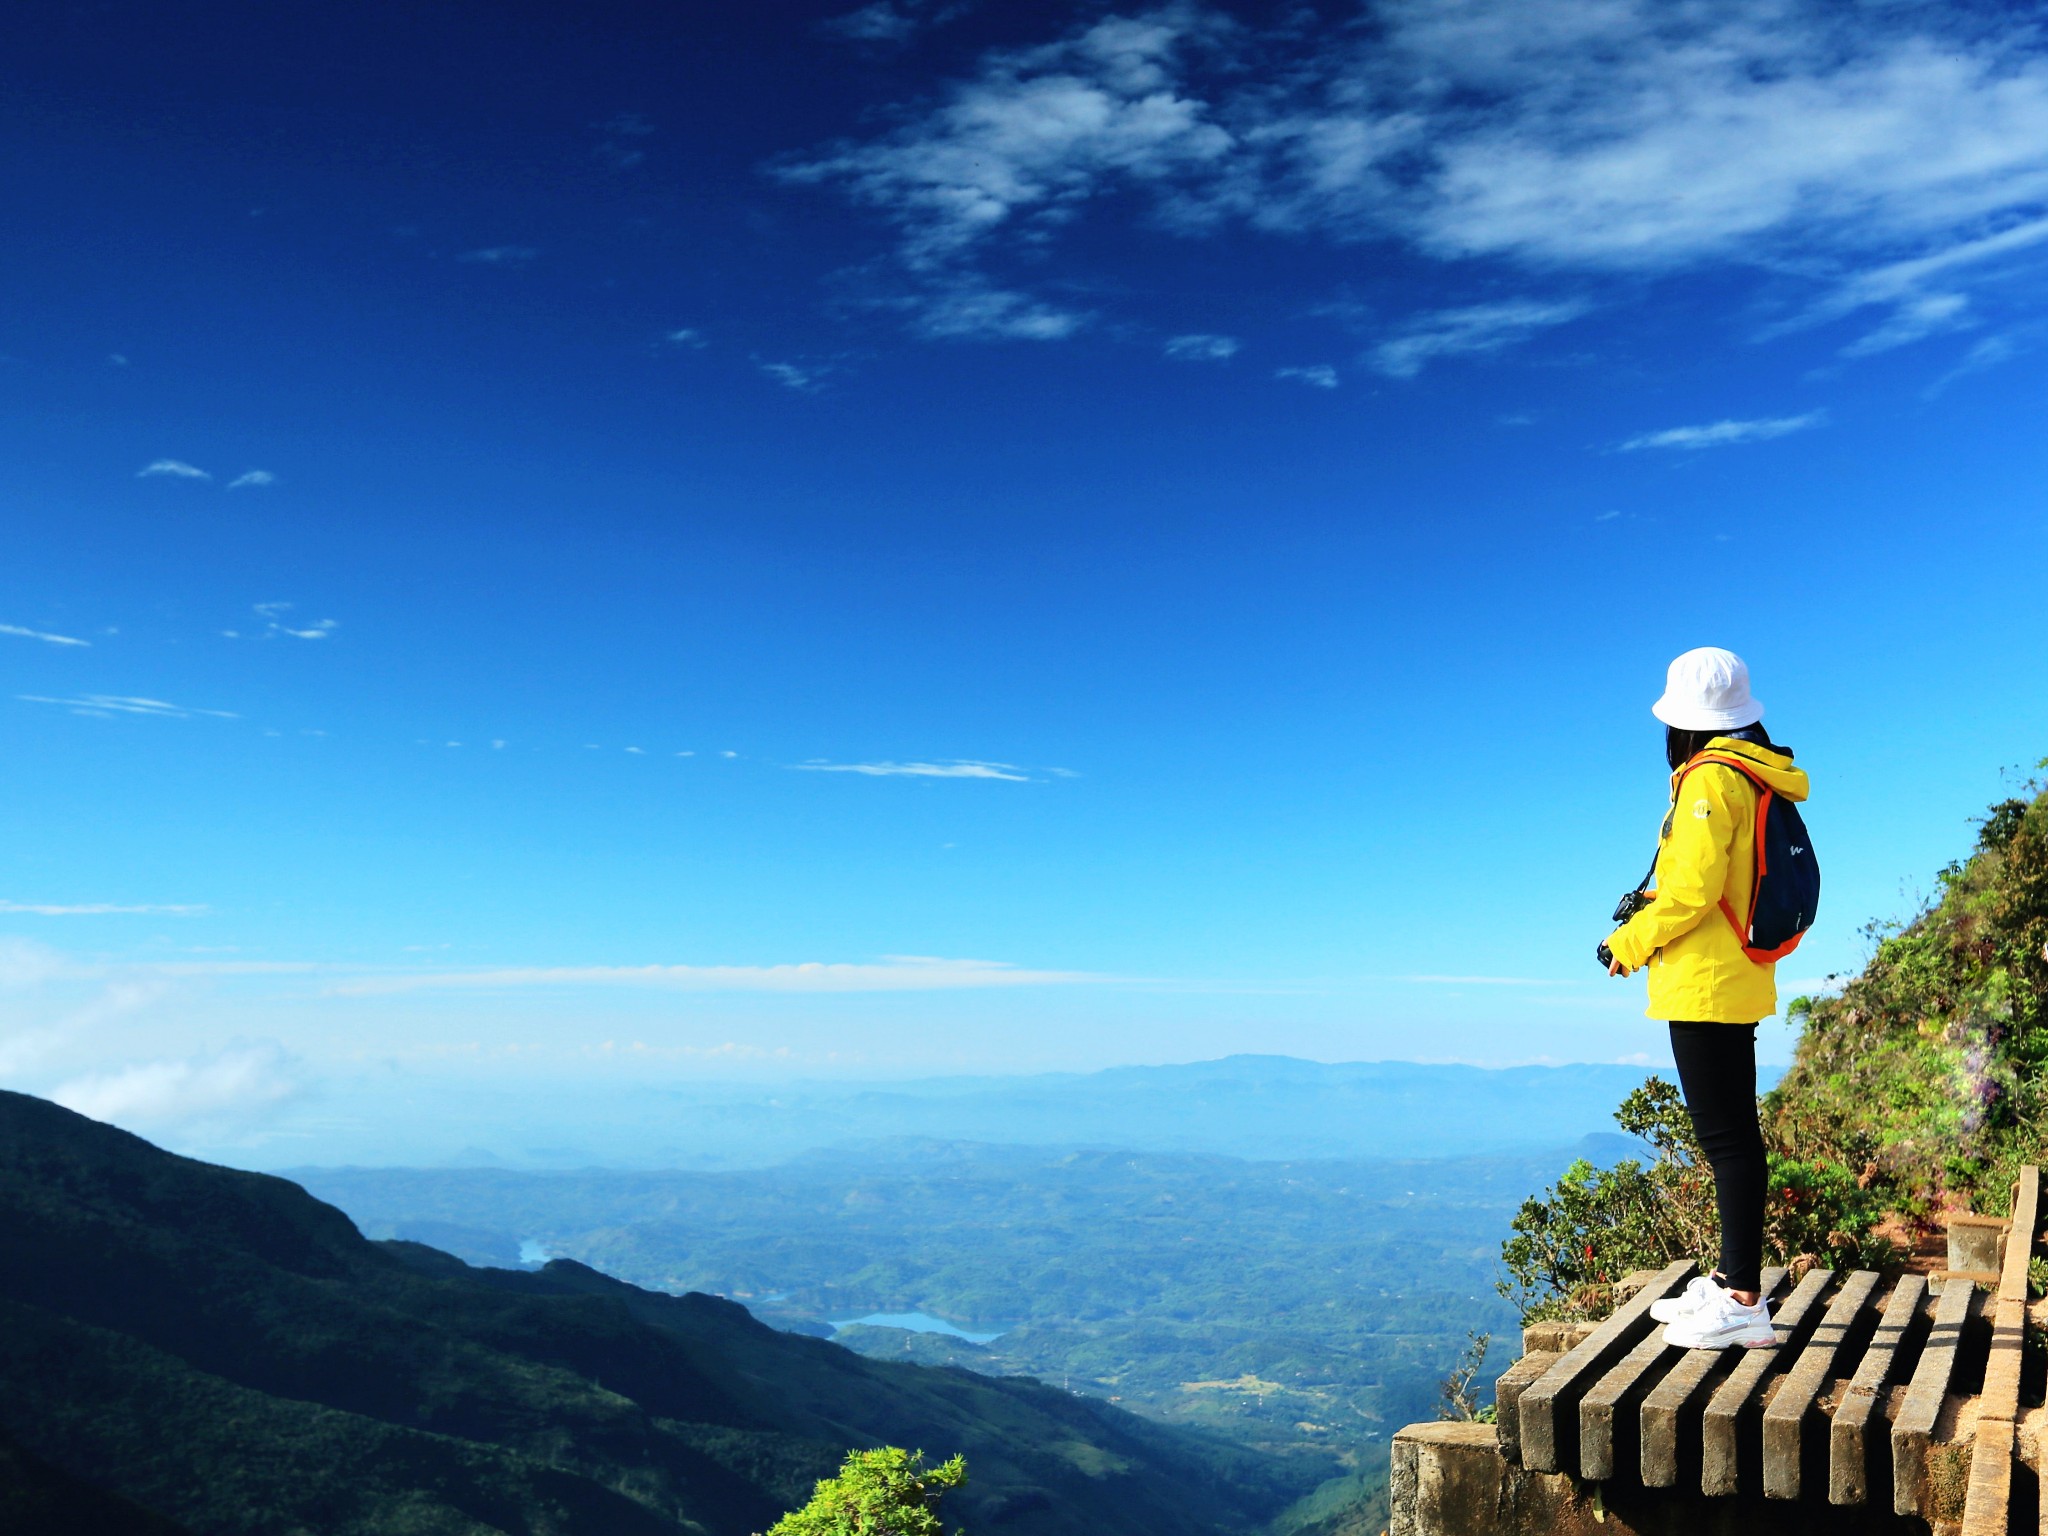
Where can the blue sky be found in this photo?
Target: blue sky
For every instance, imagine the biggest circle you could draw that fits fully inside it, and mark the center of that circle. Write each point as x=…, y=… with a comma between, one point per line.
x=556, y=542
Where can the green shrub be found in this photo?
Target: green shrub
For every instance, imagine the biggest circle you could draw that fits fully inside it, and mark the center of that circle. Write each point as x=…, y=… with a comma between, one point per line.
x=1574, y=1241
x=885, y=1492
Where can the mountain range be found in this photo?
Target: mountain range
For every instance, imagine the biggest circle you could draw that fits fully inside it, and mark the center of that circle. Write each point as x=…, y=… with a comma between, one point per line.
x=190, y=1348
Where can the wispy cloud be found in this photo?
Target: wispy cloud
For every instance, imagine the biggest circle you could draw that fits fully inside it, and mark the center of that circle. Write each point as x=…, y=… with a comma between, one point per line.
x=502, y=255
x=1320, y=375
x=1200, y=348
x=1725, y=434
x=276, y=622
x=175, y=469
x=1898, y=153
x=955, y=768
x=802, y=377
x=881, y=22
x=250, y=478
x=107, y=704
x=622, y=137
x=101, y=909
x=893, y=973
x=688, y=336
x=1476, y=328
x=1988, y=353
x=43, y=635
x=974, y=311
x=162, y=1094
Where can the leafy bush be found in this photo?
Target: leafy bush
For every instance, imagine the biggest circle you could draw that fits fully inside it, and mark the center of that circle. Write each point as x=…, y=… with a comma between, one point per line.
x=885, y=1492
x=1573, y=1242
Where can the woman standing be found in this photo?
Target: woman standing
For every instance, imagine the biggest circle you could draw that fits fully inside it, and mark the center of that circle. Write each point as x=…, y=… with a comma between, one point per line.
x=1702, y=979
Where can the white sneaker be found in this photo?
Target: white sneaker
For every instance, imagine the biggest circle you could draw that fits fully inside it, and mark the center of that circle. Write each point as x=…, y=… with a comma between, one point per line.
x=1723, y=1321
x=1670, y=1309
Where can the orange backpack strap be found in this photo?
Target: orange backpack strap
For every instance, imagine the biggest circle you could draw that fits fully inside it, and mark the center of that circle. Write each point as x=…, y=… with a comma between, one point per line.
x=1764, y=795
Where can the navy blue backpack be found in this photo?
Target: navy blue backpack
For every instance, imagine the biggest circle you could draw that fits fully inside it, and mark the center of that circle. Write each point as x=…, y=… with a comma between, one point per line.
x=1786, y=892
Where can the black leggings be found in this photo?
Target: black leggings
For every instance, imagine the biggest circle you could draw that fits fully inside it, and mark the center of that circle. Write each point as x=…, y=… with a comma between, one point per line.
x=1717, y=1071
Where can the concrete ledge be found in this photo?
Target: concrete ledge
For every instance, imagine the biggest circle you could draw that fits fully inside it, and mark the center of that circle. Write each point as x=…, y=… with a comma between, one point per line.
x=1450, y=1479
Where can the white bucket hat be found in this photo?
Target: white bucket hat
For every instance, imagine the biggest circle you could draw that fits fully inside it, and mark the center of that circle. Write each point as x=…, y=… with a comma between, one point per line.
x=1708, y=690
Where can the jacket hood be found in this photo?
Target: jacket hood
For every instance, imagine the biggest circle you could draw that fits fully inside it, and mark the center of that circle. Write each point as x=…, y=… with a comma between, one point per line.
x=1772, y=765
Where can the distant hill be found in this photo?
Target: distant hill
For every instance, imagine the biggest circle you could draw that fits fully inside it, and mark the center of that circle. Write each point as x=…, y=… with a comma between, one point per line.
x=189, y=1348
x=1266, y=1107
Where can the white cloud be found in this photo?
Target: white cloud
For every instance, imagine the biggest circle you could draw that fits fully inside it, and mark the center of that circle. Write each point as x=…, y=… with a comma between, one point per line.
x=38, y=634
x=252, y=477
x=24, y=963
x=1917, y=317
x=803, y=378
x=100, y=909
x=893, y=973
x=688, y=337
x=1321, y=375
x=165, y=1094
x=877, y=23
x=1475, y=328
x=105, y=704
x=1724, y=434
x=1859, y=149
x=1201, y=348
x=1038, y=132
x=273, y=615
x=956, y=768
x=27, y=1050
x=501, y=255
x=176, y=469
x=1988, y=353
x=970, y=311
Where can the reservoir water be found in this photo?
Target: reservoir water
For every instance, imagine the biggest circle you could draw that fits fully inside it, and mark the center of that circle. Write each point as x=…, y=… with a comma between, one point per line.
x=916, y=1322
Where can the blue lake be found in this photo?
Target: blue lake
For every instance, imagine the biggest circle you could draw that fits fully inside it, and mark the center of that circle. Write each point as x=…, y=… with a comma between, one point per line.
x=916, y=1322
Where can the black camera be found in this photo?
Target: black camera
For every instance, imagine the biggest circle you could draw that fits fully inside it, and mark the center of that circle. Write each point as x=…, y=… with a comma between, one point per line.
x=1624, y=909
x=1630, y=905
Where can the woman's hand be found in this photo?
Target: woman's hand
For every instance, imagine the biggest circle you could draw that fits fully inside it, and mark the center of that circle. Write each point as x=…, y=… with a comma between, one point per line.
x=1606, y=957
x=1616, y=968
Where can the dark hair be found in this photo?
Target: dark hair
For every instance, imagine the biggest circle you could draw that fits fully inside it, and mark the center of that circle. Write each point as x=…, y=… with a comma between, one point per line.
x=1681, y=747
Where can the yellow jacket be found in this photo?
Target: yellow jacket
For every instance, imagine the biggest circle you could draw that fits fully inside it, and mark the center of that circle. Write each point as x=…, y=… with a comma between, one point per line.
x=1707, y=851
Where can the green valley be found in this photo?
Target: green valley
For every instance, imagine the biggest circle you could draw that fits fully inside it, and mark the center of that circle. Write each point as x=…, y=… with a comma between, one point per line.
x=1305, y=1309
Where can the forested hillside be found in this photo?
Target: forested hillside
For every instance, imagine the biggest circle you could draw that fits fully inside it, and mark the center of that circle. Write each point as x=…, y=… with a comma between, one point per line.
x=1929, y=1071
x=232, y=1356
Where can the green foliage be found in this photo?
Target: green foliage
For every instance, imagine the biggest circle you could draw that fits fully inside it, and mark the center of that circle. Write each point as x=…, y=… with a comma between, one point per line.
x=2037, y=1277
x=1926, y=1074
x=886, y=1492
x=1570, y=1245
